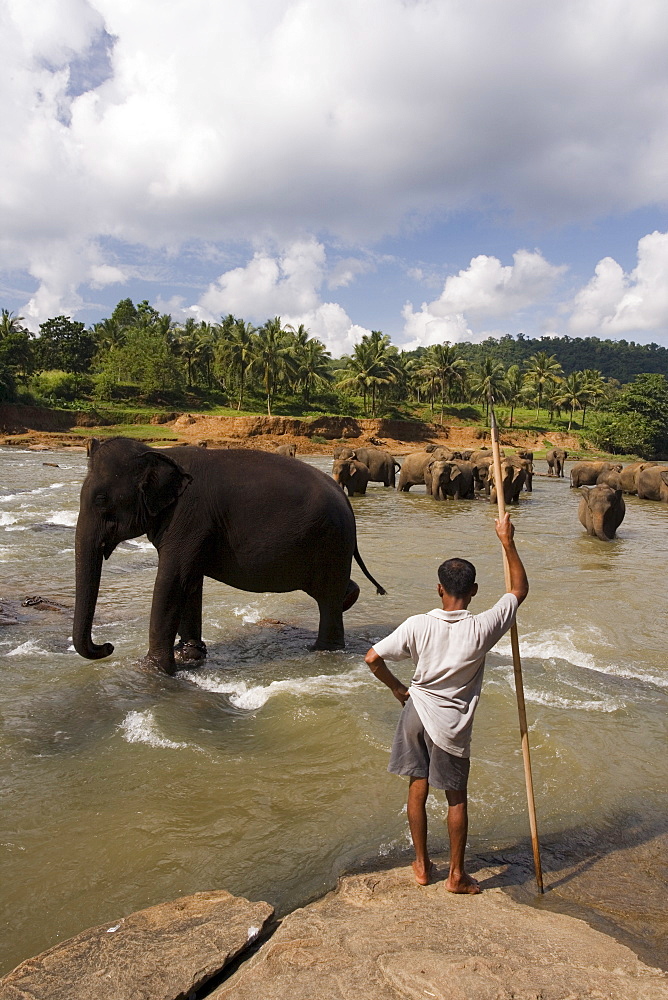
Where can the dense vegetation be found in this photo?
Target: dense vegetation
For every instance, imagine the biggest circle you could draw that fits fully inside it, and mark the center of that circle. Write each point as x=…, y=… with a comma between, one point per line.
x=141, y=356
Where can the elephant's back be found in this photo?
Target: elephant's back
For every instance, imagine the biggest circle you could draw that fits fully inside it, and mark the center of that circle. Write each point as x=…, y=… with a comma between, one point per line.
x=241, y=485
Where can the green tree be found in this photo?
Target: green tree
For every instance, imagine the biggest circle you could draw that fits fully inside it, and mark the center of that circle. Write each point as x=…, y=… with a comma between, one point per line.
x=488, y=379
x=514, y=390
x=271, y=354
x=312, y=366
x=125, y=313
x=573, y=393
x=235, y=351
x=65, y=344
x=596, y=389
x=372, y=365
x=542, y=369
x=442, y=364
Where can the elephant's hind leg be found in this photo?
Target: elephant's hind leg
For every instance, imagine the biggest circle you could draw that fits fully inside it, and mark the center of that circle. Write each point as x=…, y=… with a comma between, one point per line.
x=331, y=634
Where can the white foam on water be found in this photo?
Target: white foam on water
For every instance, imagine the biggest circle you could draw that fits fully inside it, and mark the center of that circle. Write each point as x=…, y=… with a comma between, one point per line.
x=6, y=519
x=29, y=648
x=66, y=517
x=553, y=700
x=249, y=614
x=255, y=696
x=17, y=527
x=551, y=646
x=141, y=727
x=563, y=645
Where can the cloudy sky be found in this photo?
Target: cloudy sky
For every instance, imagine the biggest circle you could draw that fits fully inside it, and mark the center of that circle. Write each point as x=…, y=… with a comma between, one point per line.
x=435, y=169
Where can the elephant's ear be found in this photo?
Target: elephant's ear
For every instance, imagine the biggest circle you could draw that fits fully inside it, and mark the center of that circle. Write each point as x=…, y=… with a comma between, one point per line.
x=352, y=468
x=91, y=447
x=585, y=491
x=161, y=481
x=664, y=475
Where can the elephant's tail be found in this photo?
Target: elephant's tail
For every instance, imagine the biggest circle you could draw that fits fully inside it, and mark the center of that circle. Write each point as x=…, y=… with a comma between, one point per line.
x=396, y=465
x=360, y=562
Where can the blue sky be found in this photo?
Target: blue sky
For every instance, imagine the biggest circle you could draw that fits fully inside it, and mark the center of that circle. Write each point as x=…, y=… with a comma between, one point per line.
x=433, y=169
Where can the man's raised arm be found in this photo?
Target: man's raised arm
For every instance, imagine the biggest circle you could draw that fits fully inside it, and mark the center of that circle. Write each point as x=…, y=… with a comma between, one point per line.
x=519, y=585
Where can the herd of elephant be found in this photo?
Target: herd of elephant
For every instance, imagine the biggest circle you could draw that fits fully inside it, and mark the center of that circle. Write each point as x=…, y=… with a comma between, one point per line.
x=463, y=475
x=264, y=522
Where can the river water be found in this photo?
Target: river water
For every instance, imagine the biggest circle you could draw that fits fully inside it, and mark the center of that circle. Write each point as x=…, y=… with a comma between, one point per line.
x=263, y=772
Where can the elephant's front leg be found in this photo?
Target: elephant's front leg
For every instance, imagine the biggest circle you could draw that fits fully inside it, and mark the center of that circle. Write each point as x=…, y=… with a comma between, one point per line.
x=191, y=647
x=170, y=597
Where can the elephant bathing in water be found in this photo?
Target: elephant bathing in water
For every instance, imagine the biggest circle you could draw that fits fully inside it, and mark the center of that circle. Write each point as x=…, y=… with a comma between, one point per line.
x=252, y=520
x=601, y=511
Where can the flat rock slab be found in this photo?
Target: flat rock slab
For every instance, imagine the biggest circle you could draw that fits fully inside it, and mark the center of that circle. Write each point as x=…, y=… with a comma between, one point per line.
x=162, y=953
x=381, y=936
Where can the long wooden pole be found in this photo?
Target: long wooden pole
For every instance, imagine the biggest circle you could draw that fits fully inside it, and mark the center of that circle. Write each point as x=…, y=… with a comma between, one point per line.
x=517, y=664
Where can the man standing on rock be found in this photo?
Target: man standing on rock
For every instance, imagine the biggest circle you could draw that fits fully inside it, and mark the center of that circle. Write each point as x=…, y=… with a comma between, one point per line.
x=433, y=737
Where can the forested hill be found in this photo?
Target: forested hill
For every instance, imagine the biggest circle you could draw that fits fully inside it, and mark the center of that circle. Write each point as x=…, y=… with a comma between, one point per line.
x=618, y=359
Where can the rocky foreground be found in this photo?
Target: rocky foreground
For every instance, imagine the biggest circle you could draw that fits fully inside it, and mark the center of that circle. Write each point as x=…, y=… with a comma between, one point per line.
x=378, y=936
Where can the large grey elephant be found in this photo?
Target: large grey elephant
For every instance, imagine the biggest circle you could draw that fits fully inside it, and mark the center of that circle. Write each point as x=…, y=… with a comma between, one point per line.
x=351, y=475
x=586, y=473
x=380, y=463
x=556, y=458
x=610, y=478
x=601, y=511
x=527, y=465
x=481, y=465
x=628, y=477
x=413, y=469
x=449, y=479
x=653, y=483
x=513, y=477
x=253, y=520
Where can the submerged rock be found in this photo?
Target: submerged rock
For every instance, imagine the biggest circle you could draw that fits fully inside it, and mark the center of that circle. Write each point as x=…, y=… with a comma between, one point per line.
x=164, y=952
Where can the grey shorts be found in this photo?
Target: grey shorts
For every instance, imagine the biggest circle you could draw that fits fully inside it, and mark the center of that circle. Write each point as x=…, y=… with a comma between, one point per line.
x=415, y=755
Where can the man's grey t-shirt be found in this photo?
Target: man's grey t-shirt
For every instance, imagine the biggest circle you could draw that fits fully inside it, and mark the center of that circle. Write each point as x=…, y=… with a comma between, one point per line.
x=448, y=649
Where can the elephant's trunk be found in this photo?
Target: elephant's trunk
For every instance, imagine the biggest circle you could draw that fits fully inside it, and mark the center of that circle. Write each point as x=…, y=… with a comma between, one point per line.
x=88, y=572
x=599, y=526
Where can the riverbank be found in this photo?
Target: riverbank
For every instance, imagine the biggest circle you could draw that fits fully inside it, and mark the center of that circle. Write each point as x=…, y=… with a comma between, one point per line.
x=377, y=936
x=37, y=428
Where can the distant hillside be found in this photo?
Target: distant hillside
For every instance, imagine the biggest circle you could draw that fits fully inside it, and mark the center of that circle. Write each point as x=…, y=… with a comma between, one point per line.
x=619, y=359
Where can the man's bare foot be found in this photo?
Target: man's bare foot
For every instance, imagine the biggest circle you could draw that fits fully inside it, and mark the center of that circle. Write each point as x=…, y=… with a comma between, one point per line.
x=422, y=872
x=462, y=884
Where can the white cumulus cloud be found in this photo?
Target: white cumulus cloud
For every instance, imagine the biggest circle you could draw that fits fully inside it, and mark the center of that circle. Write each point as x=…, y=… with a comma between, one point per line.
x=485, y=290
x=614, y=303
x=274, y=118
x=287, y=284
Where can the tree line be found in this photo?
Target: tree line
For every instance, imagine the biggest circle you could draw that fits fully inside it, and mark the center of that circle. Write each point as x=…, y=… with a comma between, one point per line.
x=139, y=353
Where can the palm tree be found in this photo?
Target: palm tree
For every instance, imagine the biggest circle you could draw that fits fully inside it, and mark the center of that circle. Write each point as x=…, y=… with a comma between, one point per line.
x=488, y=380
x=596, y=387
x=514, y=389
x=188, y=344
x=206, y=353
x=271, y=355
x=542, y=369
x=109, y=334
x=235, y=349
x=442, y=364
x=9, y=324
x=312, y=366
x=574, y=393
x=373, y=364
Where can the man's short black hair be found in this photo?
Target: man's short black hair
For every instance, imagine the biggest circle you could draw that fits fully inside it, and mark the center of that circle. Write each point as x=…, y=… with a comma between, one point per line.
x=457, y=577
